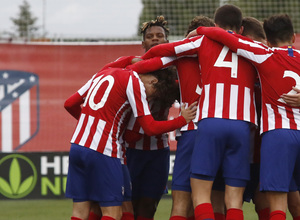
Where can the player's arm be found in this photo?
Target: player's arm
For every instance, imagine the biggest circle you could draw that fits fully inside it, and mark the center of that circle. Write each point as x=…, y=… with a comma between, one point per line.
x=121, y=62
x=186, y=47
x=250, y=50
x=150, y=65
x=292, y=99
x=73, y=105
x=152, y=127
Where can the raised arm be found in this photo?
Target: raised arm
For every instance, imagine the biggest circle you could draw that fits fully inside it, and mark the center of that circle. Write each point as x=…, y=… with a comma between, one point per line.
x=121, y=62
x=255, y=52
x=150, y=65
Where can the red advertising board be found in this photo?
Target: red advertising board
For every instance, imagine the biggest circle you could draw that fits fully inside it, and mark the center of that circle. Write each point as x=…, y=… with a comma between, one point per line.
x=35, y=81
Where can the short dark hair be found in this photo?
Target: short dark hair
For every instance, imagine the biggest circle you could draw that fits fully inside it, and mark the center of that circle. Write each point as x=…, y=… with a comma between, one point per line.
x=254, y=28
x=229, y=17
x=200, y=21
x=278, y=28
x=159, y=21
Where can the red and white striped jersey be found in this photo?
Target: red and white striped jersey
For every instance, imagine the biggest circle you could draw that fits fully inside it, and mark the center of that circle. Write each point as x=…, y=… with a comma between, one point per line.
x=113, y=95
x=190, y=85
x=228, y=80
x=149, y=142
x=279, y=71
x=189, y=78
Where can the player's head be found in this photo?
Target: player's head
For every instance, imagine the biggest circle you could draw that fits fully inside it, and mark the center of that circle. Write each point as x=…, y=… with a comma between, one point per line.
x=199, y=21
x=229, y=17
x=154, y=32
x=279, y=30
x=161, y=85
x=253, y=29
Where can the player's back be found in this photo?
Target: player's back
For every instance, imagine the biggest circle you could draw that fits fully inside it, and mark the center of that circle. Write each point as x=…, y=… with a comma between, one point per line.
x=106, y=109
x=228, y=83
x=279, y=73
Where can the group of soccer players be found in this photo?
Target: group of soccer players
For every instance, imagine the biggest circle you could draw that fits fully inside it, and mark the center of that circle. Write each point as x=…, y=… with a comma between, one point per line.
x=221, y=72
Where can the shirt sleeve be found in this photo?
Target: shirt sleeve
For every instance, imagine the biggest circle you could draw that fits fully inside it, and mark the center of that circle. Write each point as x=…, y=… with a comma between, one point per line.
x=152, y=64
x=121, y=62
x=73, y=105
x=185, y=47
x=152, y=127
x=254, y=52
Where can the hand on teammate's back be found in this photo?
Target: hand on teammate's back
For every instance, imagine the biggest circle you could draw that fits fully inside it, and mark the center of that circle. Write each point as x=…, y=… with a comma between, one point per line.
x=189, y=113
x=292, y=99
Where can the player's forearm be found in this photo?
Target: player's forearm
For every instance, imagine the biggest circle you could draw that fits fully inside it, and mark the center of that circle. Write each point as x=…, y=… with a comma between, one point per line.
x=162, y=50
x=219, y=35
x=122, y=62
x=153, y=64
x=152, y=127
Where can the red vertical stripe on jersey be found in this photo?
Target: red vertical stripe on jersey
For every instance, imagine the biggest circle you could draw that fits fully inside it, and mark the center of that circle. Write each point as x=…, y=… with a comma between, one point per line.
x=226, y=101
x=290, y=115
x=212, y=102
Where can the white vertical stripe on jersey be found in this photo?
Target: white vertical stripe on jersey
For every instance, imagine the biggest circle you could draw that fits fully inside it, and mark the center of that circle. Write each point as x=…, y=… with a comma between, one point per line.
x=7, y=129
x=99, y=130
x=247, y=104
x=108, y=146
x=219, y=100
x=271, y=117
x=206, y=101
x=284, y=120
x=130, y=95
x=24, y=115
x=78, y=127
x=296, y=113
x=87, y=130
x=233, y=101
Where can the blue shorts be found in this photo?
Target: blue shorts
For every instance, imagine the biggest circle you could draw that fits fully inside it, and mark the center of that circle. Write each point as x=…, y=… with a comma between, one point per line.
x=280, y=160
x=149, y=171
x=127, y=184
x=182, y=164
x=222, y=143
x=93, y=176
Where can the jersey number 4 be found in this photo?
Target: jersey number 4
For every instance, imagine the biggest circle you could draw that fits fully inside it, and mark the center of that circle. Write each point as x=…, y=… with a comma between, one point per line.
x=233, y=64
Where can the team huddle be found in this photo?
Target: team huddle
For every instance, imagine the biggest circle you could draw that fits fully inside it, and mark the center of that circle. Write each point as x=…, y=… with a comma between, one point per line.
x=238, y=133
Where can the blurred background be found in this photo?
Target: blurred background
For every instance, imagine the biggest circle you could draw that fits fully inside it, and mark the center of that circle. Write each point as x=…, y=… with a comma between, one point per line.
x=115, y=20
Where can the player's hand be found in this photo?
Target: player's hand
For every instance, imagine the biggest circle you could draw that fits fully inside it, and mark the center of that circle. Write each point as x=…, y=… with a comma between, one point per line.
x=189, y=113
x=135, y=60
x=192, y=34
x=292, y=99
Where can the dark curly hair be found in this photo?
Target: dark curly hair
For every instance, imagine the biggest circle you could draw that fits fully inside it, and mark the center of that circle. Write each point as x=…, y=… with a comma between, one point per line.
x=160, y=21
x=167, y=88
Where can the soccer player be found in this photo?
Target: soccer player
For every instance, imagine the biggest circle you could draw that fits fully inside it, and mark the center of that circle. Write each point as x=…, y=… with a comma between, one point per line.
x=279, y=70
x=226, y=110
x=253, y=29
x=148, y=158
x=95, y=170
x=190, y=90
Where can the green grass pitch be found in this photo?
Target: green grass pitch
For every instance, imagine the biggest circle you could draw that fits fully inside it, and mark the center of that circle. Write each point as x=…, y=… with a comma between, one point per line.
x=62, y=210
